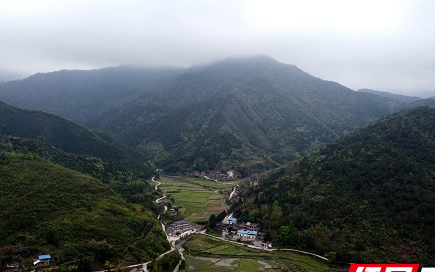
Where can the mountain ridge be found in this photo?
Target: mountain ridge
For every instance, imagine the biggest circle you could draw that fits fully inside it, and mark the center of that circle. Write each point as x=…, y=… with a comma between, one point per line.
x=274, y=99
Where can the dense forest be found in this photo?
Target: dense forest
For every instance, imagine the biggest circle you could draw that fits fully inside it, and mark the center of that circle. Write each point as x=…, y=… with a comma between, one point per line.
x=369, y=197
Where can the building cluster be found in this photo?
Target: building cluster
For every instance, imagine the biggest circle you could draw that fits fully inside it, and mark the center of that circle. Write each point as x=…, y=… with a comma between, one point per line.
x=240, y=231
x=217, y=174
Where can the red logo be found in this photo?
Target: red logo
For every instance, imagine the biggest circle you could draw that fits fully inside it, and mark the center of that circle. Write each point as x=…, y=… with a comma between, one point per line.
x=383, y=268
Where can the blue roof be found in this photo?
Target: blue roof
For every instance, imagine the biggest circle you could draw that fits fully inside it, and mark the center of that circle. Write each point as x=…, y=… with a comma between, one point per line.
x=44, y=257
x=232, y=219
x=247, y=232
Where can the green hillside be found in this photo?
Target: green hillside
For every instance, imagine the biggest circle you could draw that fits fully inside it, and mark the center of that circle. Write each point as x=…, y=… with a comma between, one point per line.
x=69, y=137
x=253, y=113
x=47, y=208
x=367, y=198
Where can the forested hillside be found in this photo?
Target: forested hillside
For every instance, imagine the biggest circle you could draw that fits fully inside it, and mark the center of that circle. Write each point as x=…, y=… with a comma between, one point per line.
x=52, y=201
x=252, y=113
x=79, y=95
x=47, y=208
x=69, y=137
x=369, y=197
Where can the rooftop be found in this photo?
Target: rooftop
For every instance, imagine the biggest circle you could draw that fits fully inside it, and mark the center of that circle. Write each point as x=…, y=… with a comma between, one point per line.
x=181, y=222
x=44, y=257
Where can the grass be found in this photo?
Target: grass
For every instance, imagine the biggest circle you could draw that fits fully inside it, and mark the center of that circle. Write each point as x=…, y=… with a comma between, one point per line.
x=198, y=198
x=249, y=259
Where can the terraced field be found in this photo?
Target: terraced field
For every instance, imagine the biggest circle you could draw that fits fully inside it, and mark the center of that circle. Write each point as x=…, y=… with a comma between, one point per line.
x=196, y=198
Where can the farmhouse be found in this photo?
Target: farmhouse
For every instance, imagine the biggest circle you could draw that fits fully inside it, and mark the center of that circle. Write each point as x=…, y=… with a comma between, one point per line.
x=43, y=260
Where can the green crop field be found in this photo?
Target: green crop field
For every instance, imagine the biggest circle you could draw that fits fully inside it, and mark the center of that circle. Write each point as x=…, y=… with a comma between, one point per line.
x=208, y=254
x=197, y=198
x=194, y=263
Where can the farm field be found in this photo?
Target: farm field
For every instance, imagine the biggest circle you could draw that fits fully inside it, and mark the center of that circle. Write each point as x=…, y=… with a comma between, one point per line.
x=197, y=198
x=209, y=254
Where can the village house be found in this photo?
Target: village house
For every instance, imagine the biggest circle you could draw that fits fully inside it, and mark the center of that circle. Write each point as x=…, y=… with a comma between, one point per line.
x=246, y=235
x=172, y=212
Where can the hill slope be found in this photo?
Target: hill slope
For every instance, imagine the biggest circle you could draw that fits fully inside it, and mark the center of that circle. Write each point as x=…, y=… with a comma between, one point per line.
x=48, y=208
x=367, y=198
x=253, y=113
x=80, y=95
x=69, y=137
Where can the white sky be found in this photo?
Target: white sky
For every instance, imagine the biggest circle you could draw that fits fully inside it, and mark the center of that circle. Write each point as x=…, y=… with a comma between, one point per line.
x=387, y=45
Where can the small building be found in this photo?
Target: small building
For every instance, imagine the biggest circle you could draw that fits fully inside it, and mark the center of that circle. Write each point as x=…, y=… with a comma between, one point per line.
x=12, y=267
x=43, y=260
x=172, y=212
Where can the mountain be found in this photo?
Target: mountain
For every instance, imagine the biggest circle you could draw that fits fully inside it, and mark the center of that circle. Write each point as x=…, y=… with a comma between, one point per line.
x=47, y=208
x=250, y=113
x=69, y=137
x=397, y=97
x=369, y=197
x=80, y=95
x=428, y=102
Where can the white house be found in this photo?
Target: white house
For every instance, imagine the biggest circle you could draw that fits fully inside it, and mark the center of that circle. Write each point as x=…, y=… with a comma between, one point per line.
x=247, y=235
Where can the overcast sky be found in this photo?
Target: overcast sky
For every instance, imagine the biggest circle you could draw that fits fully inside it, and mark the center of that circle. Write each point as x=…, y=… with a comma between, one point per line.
x=387, y=45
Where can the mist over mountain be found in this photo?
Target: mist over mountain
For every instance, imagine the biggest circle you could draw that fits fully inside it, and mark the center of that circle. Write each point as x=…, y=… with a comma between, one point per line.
x=253, y=113
x=79, y=95
x=397, y=97
x=368, y=197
